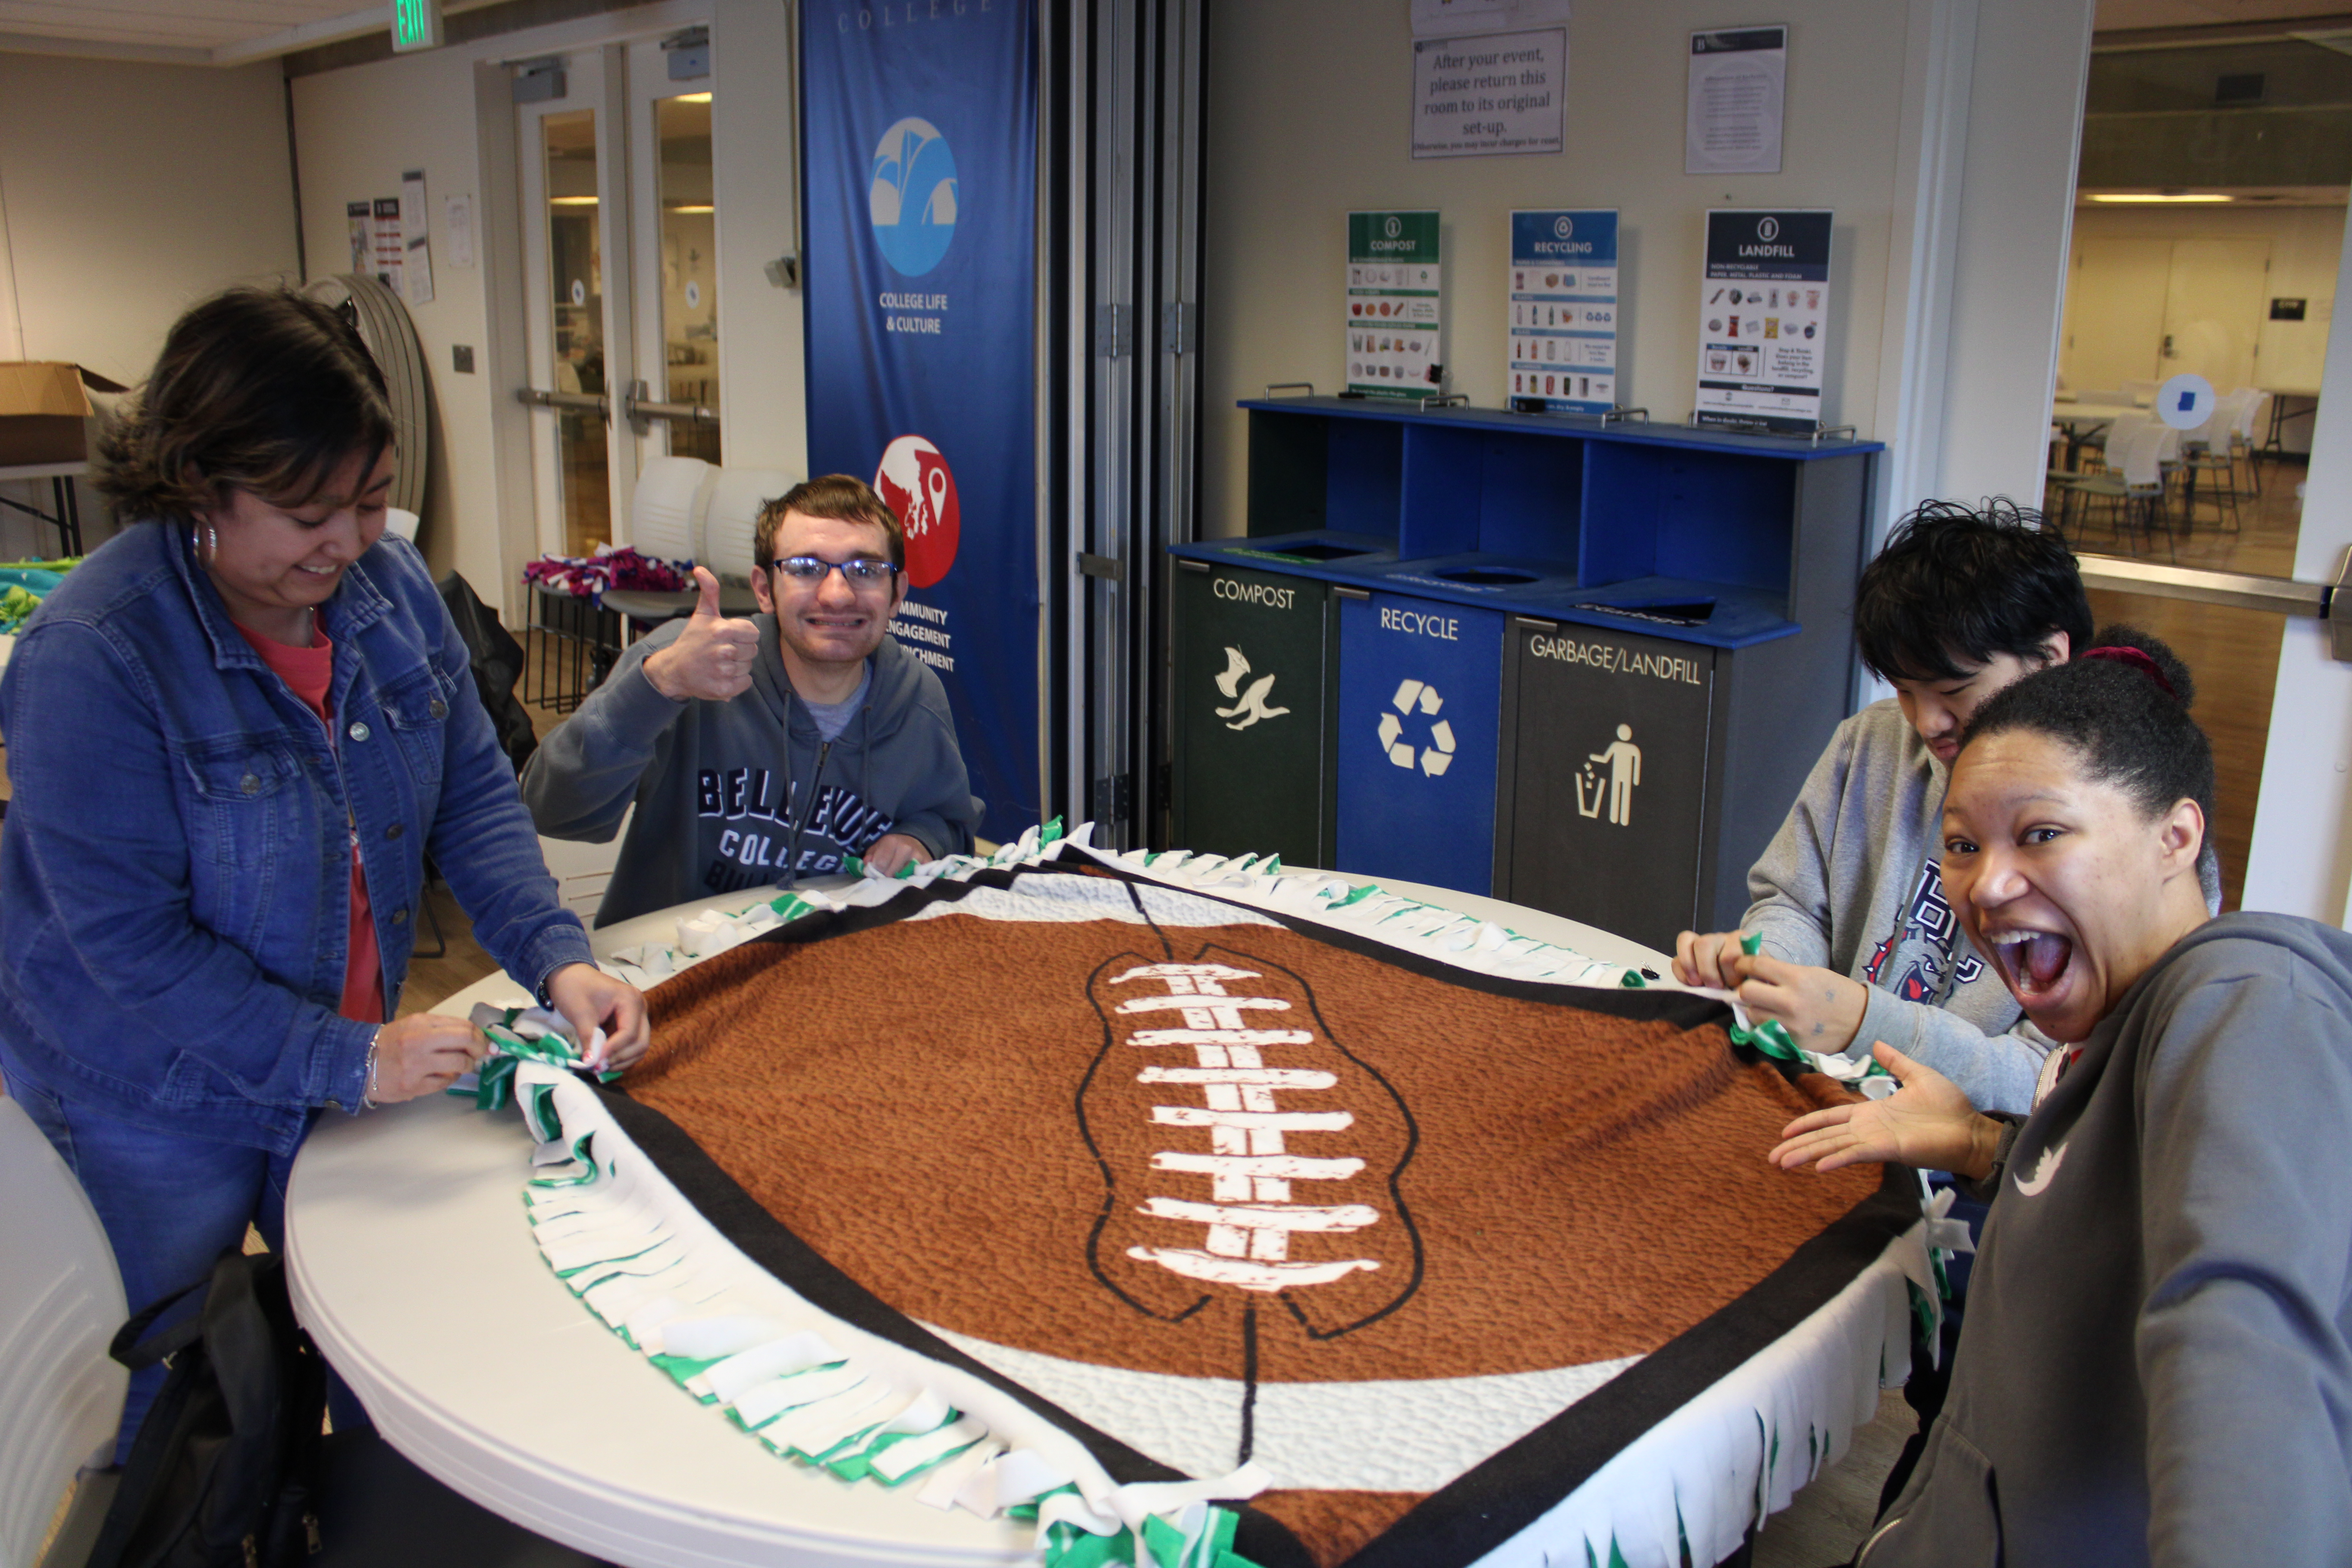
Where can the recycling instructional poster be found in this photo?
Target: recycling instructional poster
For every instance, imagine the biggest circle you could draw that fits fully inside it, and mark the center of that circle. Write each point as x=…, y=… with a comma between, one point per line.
x=1763, y=309
x=1395, y=341
x=1563, y=298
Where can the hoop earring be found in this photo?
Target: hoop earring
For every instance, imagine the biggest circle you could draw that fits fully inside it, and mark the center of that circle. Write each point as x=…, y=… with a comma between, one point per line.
x=212, y=544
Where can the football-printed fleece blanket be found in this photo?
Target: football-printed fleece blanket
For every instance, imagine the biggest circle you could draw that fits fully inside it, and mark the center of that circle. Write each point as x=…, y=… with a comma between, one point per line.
x=1213, y=1214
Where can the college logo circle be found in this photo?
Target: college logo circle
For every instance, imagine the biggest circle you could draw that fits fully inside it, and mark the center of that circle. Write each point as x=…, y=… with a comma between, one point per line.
x=916, y=482
x=1768, y=230
x=912, y=196
x=1562, y=227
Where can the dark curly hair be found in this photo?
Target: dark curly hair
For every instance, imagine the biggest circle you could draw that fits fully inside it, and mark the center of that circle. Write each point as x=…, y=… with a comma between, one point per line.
x=1956, y=586
x=2126, y=717
x=256, y=389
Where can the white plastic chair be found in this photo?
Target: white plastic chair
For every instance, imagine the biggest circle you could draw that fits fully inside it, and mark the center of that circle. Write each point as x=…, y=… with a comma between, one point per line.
x=665, y=510
x=61, y=1302
x=665, y=522
x=735, y=501
x=2250, y=417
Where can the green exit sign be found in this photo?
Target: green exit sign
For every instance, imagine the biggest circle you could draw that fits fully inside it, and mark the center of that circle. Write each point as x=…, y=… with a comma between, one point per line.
x=415, y=25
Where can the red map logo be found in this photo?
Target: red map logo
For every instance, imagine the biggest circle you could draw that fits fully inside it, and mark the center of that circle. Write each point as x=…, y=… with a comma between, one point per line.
x=916, y=482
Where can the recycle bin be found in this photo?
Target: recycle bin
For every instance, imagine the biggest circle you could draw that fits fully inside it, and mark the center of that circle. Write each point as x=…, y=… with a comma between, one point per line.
x=1252, y=682
x=1604, y=778
x=1419, y=715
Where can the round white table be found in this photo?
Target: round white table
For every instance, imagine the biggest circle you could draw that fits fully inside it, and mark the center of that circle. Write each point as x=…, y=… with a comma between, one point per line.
x=410, y=1263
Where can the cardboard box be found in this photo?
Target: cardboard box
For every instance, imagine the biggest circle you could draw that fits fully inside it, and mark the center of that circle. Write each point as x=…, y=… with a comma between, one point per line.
x=44, y=413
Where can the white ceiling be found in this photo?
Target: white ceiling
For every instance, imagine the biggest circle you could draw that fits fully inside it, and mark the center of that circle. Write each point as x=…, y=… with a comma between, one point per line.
x=199, y=32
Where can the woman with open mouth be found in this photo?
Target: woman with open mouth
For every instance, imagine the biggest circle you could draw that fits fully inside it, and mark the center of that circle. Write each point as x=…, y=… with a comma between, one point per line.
x=2153, y=1367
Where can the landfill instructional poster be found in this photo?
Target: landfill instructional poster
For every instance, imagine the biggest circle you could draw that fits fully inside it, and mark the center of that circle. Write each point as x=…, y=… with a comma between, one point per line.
x=1563, y=295
x=1395, y=339
x=1763, y=309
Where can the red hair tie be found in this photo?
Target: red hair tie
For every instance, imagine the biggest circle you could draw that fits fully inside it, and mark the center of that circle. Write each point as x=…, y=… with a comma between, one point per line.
x=2137, y=660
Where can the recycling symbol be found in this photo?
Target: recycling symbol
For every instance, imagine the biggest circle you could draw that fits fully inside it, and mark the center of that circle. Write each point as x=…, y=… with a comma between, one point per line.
x=1436, y=756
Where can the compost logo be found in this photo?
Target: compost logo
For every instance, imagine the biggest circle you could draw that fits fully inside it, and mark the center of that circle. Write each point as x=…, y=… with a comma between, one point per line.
x=1438, y=754
x=911, y=199
x=916, y=482
x=1249, y=705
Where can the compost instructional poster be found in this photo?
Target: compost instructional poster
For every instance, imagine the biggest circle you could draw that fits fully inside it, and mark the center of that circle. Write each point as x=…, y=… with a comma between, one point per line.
x=1395, y=341
x=1763, y=311
x=1563, y=298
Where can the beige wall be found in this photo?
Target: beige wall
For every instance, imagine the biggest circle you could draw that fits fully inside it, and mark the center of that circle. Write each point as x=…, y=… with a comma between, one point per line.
x=116, y=218
x=1307, y=119
x=359, y=128
x=2305, y=244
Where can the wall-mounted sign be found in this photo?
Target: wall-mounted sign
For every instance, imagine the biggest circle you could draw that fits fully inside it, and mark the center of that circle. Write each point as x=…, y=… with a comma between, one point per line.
x=2286, y=309
x=415, y=25
x=1395, y=345
x=1563, y=302
x=1737, y=95
x=1763, y=310
x=1496, y=93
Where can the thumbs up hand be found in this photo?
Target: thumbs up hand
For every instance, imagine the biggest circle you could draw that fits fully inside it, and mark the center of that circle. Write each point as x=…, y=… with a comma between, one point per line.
x=712, y=658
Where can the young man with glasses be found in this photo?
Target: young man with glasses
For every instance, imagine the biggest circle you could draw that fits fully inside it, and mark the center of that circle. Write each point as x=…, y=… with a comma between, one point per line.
x=759, y=751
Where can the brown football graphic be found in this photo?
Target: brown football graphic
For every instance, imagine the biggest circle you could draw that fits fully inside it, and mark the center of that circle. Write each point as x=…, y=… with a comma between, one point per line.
x=1215, y=1186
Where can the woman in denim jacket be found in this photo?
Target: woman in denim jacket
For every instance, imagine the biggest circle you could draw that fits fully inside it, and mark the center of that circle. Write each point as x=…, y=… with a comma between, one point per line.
x=234, y=733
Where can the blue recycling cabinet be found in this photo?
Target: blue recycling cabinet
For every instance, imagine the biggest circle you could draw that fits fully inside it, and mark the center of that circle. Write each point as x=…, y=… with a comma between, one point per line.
x=1420, y=710
x=1644, y=640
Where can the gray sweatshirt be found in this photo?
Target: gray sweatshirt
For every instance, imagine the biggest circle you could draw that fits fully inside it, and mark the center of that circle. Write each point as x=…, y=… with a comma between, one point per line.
x=724, y=802
x=1854, y=882
x=2154, y=1368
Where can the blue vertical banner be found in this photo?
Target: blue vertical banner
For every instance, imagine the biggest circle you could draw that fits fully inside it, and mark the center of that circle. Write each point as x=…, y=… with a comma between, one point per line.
x=919, y=139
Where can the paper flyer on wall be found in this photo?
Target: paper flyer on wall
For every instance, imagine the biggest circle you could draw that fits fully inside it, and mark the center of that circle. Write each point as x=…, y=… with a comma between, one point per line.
x=391, y=243
x=1735, y=101
x=415, y=238
x=1563, y=295
x=1395, y=339
x=1763, y=309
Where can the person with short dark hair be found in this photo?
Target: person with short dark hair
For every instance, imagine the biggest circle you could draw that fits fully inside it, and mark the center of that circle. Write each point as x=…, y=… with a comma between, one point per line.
x=1859, y=944
x=759, y=751
x=234, y=732
x=2155, y=1365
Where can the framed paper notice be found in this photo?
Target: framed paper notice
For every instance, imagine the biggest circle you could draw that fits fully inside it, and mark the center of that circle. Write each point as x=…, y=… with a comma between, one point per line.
x=1738, y=90
x=1394, y=344
x=1563, y=294
x=1763, y=310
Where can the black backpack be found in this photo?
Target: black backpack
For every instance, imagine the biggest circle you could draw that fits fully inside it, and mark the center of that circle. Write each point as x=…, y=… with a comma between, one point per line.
x=225, y=1470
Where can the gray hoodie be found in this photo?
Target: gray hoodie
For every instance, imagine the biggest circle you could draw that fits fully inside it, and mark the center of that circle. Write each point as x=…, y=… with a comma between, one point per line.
x=723, y=802
x=1854, y=882
x=2154, y=1368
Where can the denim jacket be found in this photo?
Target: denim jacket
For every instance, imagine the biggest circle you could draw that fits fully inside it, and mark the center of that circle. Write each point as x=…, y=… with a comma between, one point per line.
x=174, y=869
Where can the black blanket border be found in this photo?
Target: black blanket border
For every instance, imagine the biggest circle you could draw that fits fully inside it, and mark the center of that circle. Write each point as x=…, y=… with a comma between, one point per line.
x=1489, y=1504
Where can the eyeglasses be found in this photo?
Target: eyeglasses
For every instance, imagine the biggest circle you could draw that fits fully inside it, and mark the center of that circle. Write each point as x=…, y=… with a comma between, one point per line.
x=863, y=572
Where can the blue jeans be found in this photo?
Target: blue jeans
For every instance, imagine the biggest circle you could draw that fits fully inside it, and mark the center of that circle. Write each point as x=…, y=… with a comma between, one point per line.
x=171, y=1205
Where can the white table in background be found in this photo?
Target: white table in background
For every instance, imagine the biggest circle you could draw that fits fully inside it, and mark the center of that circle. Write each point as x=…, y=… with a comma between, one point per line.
x=412, y=1265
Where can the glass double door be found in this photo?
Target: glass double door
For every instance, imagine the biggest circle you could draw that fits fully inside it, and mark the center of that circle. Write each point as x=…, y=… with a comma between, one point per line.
x=620, y=224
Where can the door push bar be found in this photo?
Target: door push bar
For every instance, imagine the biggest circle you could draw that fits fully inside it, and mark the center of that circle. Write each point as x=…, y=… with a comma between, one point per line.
x=2329, y=602
x=635, y=407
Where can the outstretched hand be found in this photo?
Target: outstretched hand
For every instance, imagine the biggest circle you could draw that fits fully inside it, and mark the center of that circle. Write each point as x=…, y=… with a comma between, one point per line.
x=712, y=658
x=1927, y=1124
